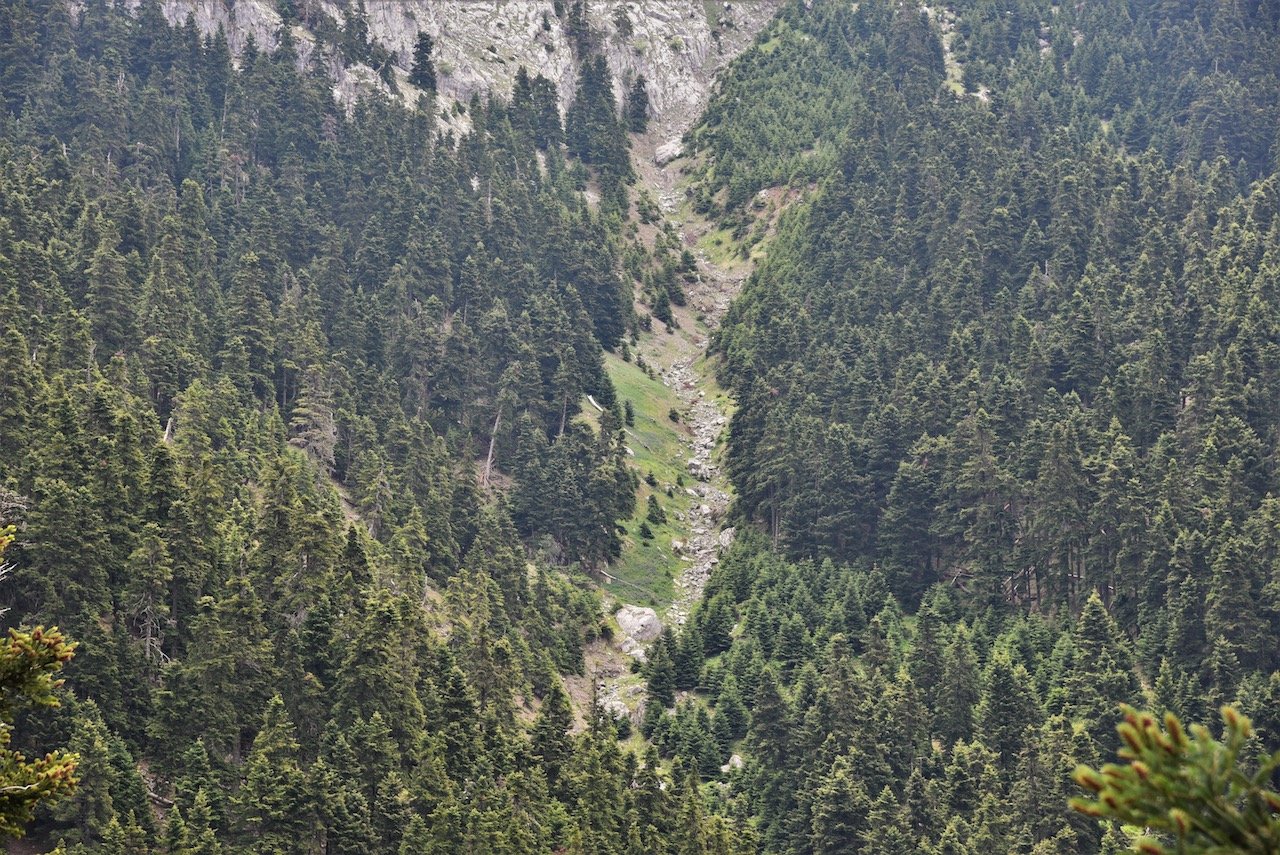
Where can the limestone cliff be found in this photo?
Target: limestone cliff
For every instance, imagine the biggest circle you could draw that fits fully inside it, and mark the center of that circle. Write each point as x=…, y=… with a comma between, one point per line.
x=677, y=45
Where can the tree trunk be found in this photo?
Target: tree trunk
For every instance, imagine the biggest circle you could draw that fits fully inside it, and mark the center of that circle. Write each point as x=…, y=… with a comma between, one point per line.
x=493, y=438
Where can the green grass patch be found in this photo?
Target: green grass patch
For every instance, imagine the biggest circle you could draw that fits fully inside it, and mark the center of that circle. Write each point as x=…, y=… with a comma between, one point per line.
x=711, y=8
x=647, y=569
x=955, y=73
x=721, y=248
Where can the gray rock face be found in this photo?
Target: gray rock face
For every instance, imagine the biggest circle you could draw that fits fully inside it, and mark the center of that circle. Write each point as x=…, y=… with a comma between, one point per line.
x=239, y=20
x=677, y=45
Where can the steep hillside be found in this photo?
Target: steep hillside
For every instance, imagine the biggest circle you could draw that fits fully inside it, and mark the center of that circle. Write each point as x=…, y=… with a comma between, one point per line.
x=676, y=45
x=1006, y=438
x=307, y=439
x=414, y=477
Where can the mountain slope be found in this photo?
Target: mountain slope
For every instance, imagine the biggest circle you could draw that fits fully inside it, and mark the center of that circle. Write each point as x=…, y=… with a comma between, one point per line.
x=676, y=46
x=1005, y=442
x=231, y=304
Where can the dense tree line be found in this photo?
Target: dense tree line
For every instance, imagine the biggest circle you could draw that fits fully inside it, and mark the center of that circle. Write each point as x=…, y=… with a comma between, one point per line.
x=1003, y=347
x=289, y=437
x=290, y=433
x=1007, y=388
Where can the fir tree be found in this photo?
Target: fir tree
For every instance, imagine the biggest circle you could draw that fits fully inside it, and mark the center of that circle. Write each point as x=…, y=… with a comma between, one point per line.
x=423, y=72
x=638, y=106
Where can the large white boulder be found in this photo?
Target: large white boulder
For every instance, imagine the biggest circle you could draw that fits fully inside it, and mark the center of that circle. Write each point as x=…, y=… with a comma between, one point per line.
x=667, y=152
x=639, y=623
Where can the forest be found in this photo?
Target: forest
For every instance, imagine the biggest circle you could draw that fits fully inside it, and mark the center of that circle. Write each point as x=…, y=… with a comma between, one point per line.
x=1007, y=413
x=266, y=365
x=297, y=455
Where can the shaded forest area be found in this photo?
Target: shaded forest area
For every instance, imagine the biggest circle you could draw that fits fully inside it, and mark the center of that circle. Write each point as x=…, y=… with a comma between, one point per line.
x=1008, y=407
x=288, y=443
x=289, y=439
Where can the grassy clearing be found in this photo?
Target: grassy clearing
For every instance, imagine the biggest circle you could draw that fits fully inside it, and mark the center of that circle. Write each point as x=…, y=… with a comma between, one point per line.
x=721, y=248
x=955, y=73
x=647, y=568
x=705, y=368
x=711, y=8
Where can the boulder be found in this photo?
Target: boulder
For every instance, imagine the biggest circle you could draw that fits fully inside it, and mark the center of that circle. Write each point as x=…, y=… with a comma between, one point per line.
x=616, y=708
x=667, y=152
x=639, y=622
x=735, y=762
x=631, y=647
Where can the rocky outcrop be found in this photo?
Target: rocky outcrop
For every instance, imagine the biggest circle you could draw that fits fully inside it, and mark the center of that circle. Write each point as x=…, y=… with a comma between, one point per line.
x=239, y=20
x=640, y=626
x=678, y=45
x=701, y=551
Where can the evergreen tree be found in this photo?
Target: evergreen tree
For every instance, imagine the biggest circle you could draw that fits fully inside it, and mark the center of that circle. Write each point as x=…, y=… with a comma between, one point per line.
x=1007, y=707
x=30, y=659
x=550, y=740
x=273, y=800
x=958, y=690
x=112, y=296
x=638, y=106
x=423, y=72
x=841, y=809
x=662, y=673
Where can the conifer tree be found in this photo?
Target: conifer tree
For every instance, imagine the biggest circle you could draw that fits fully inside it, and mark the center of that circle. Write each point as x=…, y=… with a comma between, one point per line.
x=840, y=812
x=550, y=740
x=30, y=661
x=112, y=296
x=1185, y=789
x=273, y=800
x=200, y=831
x=23, y=383
x=89, y=813
x=250, y=328
x=1007, y=707
x=662, y=673
x=1101, y=671
x=423, y=72
x=958, y=690
x=638, y=106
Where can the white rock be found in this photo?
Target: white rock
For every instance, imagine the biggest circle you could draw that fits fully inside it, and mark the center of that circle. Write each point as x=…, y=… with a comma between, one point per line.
x=667, y=152
x=639, y=622
x=631, y=647
x=481, y=43
x=616, y=708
